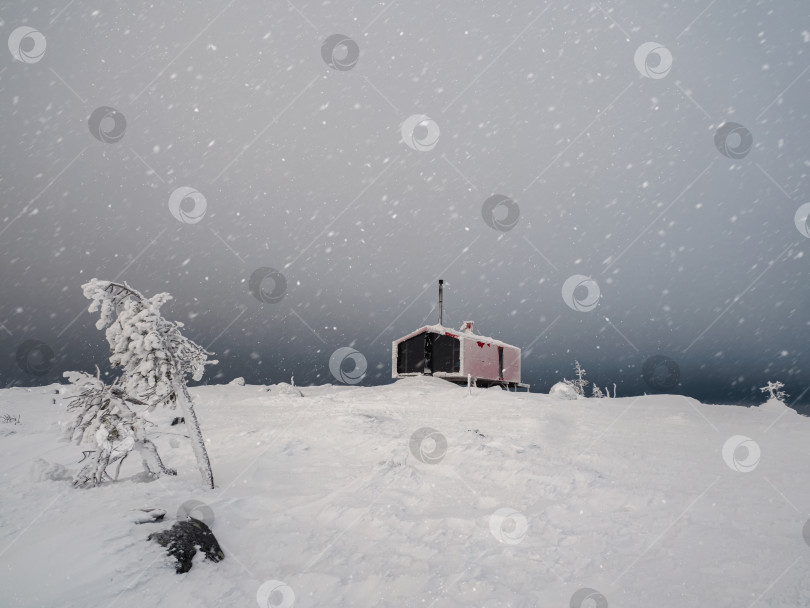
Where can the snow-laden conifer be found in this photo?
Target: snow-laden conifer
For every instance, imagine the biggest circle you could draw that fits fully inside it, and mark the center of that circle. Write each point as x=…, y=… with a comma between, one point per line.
x=154, y=356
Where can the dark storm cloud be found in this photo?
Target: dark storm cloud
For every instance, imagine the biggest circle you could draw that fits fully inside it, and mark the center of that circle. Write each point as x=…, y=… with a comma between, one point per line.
x=660, y=150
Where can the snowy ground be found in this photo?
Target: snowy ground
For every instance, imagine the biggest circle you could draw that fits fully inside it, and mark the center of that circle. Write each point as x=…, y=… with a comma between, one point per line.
x=630, y=497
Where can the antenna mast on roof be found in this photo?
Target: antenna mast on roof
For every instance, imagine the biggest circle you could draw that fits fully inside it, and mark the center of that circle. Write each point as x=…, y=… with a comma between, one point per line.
x=441, y=290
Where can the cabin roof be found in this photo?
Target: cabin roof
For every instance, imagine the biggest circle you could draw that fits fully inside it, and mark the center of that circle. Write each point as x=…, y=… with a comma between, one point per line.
x=441, y=329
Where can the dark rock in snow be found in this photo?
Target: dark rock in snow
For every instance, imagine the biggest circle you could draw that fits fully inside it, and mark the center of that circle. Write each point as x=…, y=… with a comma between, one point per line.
x=178, y=420
x=183, y=539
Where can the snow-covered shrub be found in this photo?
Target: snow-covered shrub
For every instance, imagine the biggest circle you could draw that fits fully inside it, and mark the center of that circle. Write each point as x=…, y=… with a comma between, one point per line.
x=775, y=392
x=154, y=355
x=9, y=419
x=597, y=393
x=580, y=383
x=110, y=422
x=563, y=390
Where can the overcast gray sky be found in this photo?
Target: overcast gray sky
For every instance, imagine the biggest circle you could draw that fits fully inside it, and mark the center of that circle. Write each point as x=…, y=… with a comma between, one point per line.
x=661, y=149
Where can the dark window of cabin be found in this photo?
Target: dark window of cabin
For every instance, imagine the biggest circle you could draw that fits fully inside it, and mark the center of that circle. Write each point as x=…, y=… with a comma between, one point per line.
x=500, y=362
x=427, y=353
x=411, y=355
x=446, y=354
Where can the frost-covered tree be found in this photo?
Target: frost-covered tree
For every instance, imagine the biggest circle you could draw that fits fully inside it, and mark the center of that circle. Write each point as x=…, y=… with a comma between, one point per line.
x=110, y=422
x=580, y=383
x=774, y=390
x=597, y=393
x=154, y=356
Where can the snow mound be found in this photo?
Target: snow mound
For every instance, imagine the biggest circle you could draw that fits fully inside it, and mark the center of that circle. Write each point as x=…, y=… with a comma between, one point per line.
x=413, y=494
x=240, y=381
x=774, y=406
x=425, y=383
x=561, y=390
x=42, y=470
x=283, y=388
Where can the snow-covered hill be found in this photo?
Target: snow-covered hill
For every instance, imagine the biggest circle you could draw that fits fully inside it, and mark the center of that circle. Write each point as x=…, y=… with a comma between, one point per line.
x=532, y=500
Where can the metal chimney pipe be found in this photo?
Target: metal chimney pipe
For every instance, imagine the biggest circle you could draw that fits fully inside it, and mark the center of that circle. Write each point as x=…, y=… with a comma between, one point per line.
x=441, y=290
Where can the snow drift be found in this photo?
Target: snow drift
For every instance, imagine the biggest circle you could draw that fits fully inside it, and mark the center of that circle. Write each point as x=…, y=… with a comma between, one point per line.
x=342, y=498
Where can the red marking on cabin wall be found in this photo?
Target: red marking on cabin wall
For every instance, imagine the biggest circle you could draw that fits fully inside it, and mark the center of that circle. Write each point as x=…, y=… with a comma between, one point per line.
x=447, y=333
x=481, y=344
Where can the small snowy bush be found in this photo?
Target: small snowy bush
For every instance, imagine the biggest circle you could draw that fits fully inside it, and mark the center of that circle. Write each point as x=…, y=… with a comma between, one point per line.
x=563, y=390
x=775, y=392
x=580, y=383
x=9, y=419
x=110, y=422
x=576, y=386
